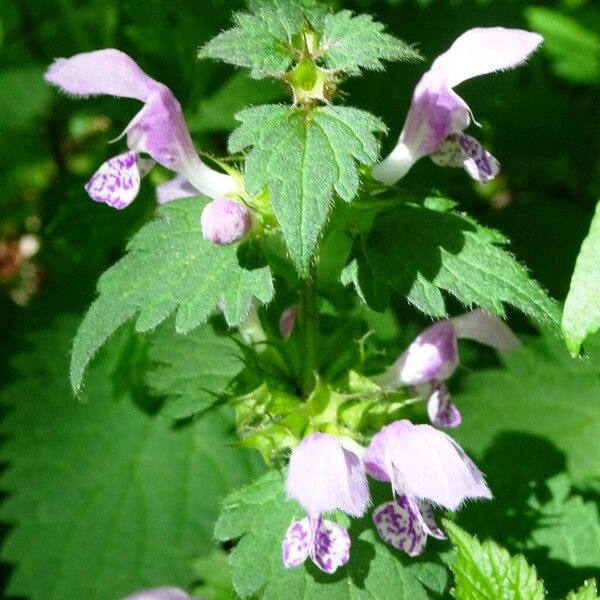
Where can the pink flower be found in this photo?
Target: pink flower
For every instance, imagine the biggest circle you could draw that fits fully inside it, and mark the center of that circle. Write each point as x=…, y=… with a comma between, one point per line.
x=425, y=467
x=225, y=221
x=158, y=129
x=433, y=357
x=438, y=116
x=323, y=477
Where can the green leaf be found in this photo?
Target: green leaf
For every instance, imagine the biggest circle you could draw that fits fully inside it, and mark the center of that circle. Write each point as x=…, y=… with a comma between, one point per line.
x=260, y=515
x=581, y=315
x=169, y=267
x=540, y=392
x=261, y=41
x=303, y=157
x=104, y=499
x=574, y=49
x=587, y=592
x=191, y=371
x=421, y=252
x=485, y=571
x=350, y=43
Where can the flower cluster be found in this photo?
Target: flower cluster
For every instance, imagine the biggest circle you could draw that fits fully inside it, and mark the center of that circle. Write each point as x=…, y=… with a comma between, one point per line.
x=423, y=465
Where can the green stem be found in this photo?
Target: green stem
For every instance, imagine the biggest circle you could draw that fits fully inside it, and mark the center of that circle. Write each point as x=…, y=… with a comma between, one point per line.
x=308, y=328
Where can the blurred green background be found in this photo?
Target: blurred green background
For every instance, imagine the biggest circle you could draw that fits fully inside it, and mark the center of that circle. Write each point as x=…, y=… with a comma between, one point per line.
x=542, y=121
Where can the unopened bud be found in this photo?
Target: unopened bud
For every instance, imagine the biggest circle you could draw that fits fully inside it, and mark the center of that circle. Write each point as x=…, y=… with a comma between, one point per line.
x=225, y=221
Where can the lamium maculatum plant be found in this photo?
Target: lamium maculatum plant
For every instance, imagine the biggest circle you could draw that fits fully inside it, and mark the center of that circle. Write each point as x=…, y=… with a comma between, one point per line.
x=279, y=254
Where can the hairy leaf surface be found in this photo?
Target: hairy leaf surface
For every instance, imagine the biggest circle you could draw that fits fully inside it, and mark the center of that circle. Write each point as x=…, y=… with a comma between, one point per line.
x=169, y=267
x=351, y=43
x=422, y=252
x=485, y=571
x=104, y=498
x=581, y=315
x=192, y=370
x=302, y=158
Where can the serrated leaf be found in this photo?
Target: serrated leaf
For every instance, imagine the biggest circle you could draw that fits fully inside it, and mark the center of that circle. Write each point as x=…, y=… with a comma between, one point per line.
x=103, y=498
x=169, y=267
x=191, y=371
x=351, y=43
x=586, y=592
x=302, y=158
x=261, y=41
x=421, y=252
x=260, y=514
x=581, y=315
x=485, y=571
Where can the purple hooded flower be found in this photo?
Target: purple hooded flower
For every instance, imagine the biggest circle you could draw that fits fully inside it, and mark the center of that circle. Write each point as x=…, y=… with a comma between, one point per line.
x=225, y=221
x=425, y=467
x=323, y=476
x=163, y=593
x=438, y=116
x=158, y=129
x=433, y=357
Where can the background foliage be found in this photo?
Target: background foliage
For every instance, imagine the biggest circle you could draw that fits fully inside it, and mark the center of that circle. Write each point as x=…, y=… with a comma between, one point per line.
x=102, y=495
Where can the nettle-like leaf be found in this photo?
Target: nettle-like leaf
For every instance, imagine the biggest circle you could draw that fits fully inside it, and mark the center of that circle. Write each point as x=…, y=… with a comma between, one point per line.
x=586, y=592
x=103, y=498
x=421, y=252
x=351, y=43
x=191, y=371
x=267, y=41
x=581, y=315
x=302, y=157
x=169, y=267
x=259, y=516
x=262, y=40
x=485, y=571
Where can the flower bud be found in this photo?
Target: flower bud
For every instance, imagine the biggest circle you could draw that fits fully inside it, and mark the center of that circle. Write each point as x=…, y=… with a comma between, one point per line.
x=225, y=221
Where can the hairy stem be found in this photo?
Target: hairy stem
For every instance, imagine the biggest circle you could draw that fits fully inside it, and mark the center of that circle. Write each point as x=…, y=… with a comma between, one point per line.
x=308, y=328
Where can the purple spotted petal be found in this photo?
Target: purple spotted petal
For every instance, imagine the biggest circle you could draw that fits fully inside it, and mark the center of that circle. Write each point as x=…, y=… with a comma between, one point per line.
x=425, y=462
x=399, y=524
x=175, y=188
x=429, y=521
x=442, y=412
x=158, y=129
x=437, y=112
x=483, y=328
x=117, y=181
x=331, y=546
x=297, y=543
x=323, y=477
x=484, y=50
x=162, y=593
x=465, y=151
